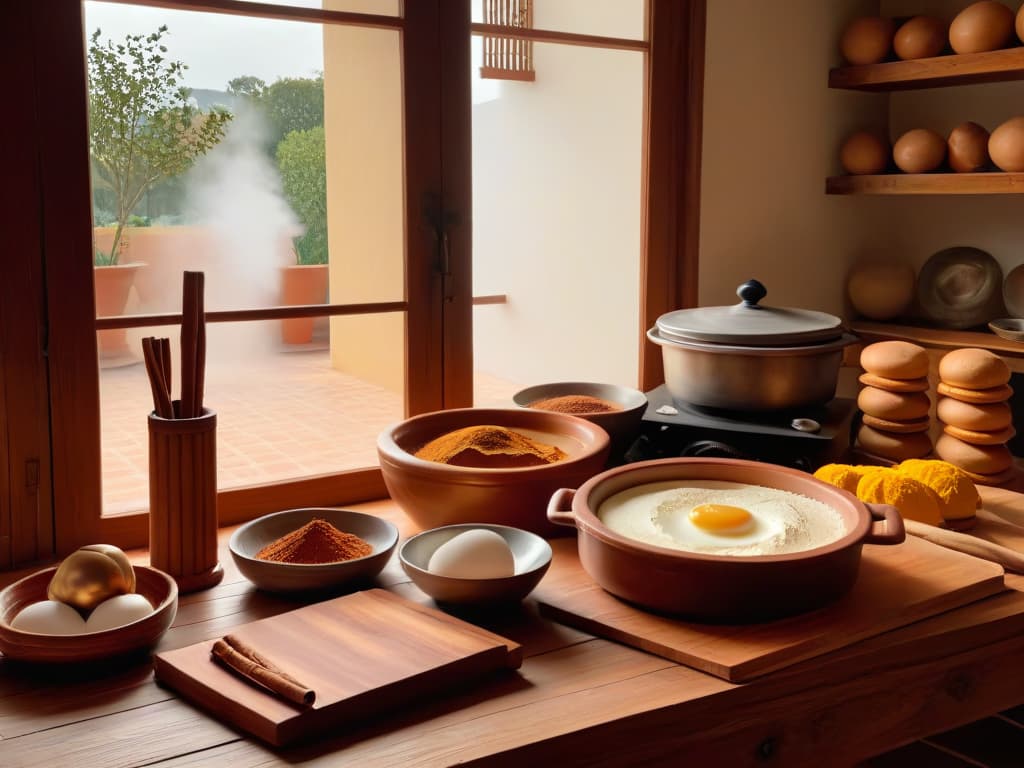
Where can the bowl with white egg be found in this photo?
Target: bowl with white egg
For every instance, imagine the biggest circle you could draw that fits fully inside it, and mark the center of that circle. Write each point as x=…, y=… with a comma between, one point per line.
x=476, y=563
x=37, y=625
x=721, y=539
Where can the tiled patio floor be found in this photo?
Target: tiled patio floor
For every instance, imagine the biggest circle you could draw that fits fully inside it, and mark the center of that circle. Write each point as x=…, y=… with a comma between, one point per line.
x=286, y=415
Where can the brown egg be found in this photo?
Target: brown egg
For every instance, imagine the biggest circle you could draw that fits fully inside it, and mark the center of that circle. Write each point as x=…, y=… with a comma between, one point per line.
x=920, y=38
x=881, y=290
x=1020, y=24
x=984, y=26
x=867, y=40
x=968, y=148
x=1006, y=145
x=864, y=152
x=919, y=150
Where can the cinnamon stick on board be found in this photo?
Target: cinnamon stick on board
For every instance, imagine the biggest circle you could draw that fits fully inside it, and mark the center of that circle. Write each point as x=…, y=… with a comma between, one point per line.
x=244, y=660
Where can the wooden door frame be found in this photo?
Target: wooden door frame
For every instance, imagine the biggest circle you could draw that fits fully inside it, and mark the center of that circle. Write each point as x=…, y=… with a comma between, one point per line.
x=674, y=115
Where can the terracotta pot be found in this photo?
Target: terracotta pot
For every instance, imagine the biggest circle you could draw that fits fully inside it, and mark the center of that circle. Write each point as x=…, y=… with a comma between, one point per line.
x=434, y=494
x=721, y=587
x=112, y=284
x=302, y=284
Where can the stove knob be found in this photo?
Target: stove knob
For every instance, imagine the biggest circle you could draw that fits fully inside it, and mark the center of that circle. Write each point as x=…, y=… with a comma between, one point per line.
x=805, y=425
x=712, y=449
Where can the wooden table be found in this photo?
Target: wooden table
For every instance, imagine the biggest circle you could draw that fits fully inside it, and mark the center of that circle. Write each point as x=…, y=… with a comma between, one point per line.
x=578, y=700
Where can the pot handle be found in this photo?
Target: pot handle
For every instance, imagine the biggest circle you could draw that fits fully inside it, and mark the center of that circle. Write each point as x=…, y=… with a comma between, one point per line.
x=560, y=507
x=892, y=532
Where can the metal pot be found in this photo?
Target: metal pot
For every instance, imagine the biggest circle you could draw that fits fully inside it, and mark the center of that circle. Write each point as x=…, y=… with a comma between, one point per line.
x=748, y=357
x=721, y=587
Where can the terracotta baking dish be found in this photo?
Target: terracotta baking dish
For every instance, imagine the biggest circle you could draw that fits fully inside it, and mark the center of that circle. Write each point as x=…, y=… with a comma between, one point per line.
x=716, y=587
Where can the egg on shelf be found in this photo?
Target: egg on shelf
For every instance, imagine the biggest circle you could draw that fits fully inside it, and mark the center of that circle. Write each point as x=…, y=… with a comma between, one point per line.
x=967, y=148
x=49, y=617
x=1006, y=145
x=921, y=37
x=867, y=40
x=983, y=26
x=919, y=150
x=1020, y=24
x=864, y=153
x=474, y=554
x=881, y=290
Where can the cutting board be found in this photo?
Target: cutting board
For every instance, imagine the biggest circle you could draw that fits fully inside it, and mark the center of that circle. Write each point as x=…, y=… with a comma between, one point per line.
x=896, y=586
x=363, y=654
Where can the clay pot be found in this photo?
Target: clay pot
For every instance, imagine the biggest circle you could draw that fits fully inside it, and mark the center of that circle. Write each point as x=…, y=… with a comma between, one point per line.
x=112, y=284
x=721, y=587
x=302, y=284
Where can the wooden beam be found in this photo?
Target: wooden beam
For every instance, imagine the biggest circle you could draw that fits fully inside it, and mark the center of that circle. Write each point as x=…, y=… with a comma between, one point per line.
x=502, y=31
x=274, y=11
x=674, y=96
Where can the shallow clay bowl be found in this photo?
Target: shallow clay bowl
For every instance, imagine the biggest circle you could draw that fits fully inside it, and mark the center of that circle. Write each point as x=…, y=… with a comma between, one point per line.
x=433, y=494
x=722, y=588
x=156, y=586
x=1009, y=328
x=622, y=426
x=532, y=556
x=303, y=577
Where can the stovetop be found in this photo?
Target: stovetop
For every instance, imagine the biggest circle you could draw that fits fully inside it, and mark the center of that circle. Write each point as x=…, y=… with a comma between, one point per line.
x=805, y=438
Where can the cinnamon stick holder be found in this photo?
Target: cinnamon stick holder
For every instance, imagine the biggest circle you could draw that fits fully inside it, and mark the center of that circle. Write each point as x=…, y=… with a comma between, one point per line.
x=183, y=499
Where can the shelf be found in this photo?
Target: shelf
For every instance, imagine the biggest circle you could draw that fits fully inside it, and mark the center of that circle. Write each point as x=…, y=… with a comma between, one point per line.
x=927, y=184
x=955, y=69
x=939, y=338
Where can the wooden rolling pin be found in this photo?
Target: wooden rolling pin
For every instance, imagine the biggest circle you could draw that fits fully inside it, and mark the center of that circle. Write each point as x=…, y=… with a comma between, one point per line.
x=969, y=545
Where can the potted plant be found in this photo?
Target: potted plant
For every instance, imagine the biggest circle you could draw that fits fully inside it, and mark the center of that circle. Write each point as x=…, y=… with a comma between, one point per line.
x=301, y=158
x=143, y=127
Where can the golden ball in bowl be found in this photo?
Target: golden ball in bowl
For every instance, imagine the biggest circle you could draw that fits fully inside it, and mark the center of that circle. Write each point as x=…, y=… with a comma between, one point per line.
x=90, y=575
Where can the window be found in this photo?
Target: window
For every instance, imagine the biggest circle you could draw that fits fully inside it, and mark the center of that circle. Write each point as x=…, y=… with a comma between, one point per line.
x=399, y=243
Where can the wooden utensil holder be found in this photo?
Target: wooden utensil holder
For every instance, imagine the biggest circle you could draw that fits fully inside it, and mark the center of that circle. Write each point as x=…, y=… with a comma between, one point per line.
x=183, y=499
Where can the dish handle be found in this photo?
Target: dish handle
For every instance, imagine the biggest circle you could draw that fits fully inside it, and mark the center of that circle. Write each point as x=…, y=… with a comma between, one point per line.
x=892, y=532
x=560, y=507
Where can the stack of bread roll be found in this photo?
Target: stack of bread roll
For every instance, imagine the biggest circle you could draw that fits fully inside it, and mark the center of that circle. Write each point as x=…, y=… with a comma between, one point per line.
x=894, y=402
x=977, y=422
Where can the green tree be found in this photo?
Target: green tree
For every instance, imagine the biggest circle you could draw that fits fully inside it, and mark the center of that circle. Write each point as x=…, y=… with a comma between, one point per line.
x=142, y=125
x=247, y=85
x=293, y=104
x=301, y=157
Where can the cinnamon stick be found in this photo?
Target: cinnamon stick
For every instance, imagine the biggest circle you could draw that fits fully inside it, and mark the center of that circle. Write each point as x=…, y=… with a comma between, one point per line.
x=245, y=661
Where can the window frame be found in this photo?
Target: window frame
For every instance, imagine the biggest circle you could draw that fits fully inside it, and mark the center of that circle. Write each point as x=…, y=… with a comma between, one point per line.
x=435, y=56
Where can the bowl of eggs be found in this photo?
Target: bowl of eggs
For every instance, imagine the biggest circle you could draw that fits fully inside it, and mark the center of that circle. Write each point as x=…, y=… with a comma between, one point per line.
x=94, y=605
x=721, y=539
x=616, y=409
x=476, y=564
x=487, y=465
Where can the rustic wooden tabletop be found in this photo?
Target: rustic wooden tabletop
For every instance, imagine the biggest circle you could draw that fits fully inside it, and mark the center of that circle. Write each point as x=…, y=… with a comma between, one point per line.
x=577, y=699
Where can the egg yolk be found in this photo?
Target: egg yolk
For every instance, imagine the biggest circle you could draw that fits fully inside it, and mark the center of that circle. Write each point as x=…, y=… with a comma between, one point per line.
x=721, y=519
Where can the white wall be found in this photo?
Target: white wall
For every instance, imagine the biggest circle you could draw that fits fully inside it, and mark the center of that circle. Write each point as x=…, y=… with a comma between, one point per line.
x=772, y=132
x=556, y=206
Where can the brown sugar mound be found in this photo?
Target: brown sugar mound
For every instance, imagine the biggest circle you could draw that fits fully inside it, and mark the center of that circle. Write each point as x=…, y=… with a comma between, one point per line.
x=489, y=447
x=575, y=404
x=316, y=542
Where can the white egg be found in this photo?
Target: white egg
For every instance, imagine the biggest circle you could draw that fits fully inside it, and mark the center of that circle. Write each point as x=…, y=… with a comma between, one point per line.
x=118, y=611
x=48, y=617
x=474, y=554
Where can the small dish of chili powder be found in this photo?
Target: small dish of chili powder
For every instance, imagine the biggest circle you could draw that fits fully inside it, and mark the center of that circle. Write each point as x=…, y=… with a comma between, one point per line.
x=315, y=549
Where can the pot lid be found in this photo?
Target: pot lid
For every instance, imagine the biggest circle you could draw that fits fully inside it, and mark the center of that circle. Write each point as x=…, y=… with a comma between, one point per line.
x=750, y=324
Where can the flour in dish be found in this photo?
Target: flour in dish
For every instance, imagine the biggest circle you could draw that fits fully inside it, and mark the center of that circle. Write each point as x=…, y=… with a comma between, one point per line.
x=721, y=518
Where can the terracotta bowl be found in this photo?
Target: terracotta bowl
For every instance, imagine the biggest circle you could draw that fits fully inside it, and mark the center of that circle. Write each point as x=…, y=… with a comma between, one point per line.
x=433, y=494
x=722, y=587
x=531, y=552
x=622, y=426
x=272, y=576
x=156, y=586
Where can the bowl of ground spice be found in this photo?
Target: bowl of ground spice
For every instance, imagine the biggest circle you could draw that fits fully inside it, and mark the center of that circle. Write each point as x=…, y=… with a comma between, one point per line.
x=487, y=465
x=616, y=409
x=303, y=550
